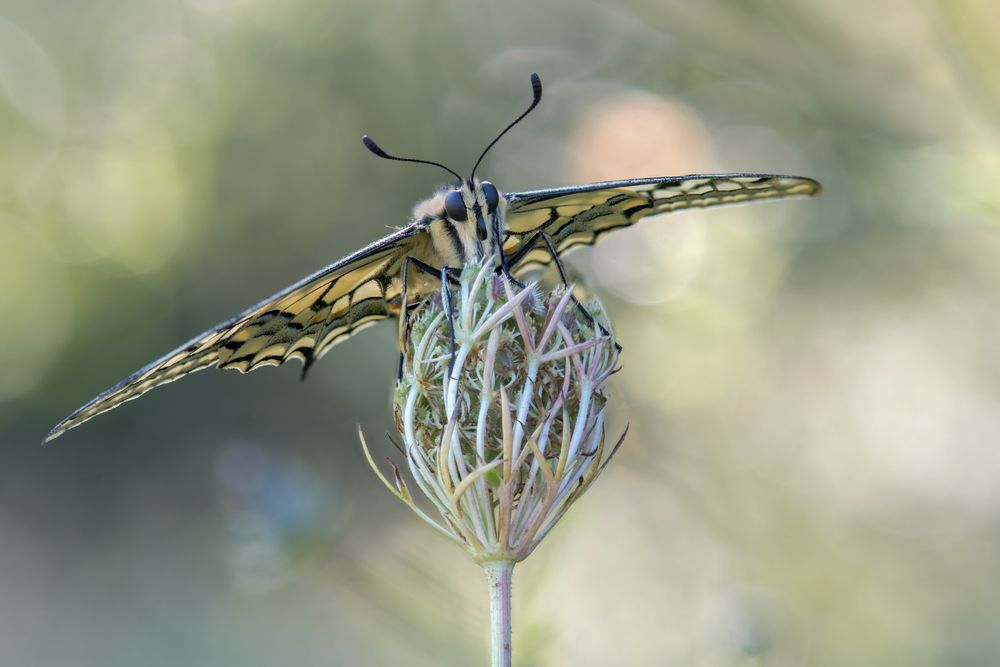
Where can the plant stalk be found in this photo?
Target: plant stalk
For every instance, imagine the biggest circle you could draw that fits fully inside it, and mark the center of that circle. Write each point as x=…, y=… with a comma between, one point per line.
x=498, y=578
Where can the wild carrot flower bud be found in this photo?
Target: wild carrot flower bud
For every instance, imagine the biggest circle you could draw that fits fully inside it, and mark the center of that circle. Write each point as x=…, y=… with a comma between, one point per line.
x=501, y=406
x=501, y=401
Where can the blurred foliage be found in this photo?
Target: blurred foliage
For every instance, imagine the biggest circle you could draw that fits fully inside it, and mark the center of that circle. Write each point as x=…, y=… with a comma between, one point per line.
x=811, y=477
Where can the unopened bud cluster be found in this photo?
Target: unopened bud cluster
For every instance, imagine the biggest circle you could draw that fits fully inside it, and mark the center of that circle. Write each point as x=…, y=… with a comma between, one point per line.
x=501, y=405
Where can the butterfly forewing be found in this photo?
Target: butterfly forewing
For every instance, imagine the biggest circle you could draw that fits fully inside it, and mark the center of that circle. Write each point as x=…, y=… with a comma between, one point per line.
x=302, y=321
x=582, y=215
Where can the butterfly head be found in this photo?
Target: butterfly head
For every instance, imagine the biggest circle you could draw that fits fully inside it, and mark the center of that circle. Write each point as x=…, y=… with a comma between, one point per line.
x=472, y=209
x=463, y=219
x=475, y=202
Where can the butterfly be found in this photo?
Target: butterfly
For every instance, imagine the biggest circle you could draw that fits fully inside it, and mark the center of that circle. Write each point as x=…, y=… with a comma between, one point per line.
x=468, y=218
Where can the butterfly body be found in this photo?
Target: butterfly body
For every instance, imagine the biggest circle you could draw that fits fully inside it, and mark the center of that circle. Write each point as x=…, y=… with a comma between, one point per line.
x=464, y=220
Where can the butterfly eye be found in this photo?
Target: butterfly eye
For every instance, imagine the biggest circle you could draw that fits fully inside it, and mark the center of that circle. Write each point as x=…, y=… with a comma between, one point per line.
x=492, y=196
x=454, y=206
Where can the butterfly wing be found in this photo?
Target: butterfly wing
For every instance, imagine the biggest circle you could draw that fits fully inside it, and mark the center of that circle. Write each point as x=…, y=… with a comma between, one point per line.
x=302, y=321
x=582, y=215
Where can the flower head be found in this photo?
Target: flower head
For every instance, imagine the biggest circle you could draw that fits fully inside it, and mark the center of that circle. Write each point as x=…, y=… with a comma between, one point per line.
x=501, y=405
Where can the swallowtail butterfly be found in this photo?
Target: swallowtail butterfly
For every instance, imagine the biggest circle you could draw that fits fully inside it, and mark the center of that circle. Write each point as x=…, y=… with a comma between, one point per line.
x=466, y=219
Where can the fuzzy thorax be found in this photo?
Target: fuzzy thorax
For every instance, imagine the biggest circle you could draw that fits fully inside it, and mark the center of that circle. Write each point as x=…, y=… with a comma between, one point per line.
x=502, y=408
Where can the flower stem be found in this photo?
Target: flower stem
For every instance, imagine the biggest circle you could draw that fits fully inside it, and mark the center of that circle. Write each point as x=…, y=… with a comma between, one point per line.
x=498, y=577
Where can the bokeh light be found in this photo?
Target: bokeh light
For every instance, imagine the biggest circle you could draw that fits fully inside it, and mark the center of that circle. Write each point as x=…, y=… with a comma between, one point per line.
x=812, y=470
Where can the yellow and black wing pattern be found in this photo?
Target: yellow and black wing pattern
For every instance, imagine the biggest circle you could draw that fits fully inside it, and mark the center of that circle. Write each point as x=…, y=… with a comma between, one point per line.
x=582, y=215
x=302, y=321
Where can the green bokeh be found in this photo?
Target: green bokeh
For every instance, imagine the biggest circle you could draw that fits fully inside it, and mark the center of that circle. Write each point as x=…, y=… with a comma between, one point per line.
x=812, y=475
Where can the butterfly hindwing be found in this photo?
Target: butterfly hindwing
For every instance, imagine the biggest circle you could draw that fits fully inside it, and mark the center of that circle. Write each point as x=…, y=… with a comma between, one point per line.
x=302, y=321
x=581, y=215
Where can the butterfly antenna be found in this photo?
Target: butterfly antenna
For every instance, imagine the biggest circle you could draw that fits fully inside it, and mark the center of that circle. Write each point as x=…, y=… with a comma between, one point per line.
x=536, y=93
x=377, y=150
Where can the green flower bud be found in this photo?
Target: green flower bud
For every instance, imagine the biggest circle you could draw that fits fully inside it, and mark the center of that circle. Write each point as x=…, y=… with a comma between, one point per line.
x=501, y=405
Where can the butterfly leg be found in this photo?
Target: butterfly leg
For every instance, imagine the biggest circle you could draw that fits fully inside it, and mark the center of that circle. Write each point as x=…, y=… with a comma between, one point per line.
x=445, y=274
x=529, y=245
x=504, y=264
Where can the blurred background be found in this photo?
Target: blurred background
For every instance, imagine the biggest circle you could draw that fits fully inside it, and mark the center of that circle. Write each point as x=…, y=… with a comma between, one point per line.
x=812, y=475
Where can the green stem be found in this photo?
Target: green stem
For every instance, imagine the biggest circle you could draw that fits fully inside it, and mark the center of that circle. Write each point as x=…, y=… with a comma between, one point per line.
x=498, y=578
